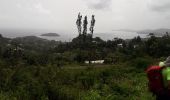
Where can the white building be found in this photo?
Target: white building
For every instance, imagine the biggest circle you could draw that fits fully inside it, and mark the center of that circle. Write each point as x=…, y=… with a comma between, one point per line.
x=95, y=62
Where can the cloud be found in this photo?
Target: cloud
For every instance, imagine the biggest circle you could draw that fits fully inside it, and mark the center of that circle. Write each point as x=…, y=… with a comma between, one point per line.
x=32, y=7
x=40, y=8
x=160, y=5
x=99, y=4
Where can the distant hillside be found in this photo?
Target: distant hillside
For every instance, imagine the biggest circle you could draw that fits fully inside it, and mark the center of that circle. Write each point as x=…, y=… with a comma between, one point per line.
x=4, y=40
x=30, y=39
x=156, y=31
x=35, y=43
x=50, y=34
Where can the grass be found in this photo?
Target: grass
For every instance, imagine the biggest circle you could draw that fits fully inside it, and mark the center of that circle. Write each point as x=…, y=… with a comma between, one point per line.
x=75, y=82
x=113, y=82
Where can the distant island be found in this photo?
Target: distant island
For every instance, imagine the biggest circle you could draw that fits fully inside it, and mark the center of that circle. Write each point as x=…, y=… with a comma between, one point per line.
x=50, y=34
x=157, y=32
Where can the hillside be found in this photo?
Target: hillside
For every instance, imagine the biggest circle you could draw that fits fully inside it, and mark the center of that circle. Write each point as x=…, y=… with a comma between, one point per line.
x=50, y=34
x=31, y=43
x=3, y=40
x=156, y=31
x=32, y=68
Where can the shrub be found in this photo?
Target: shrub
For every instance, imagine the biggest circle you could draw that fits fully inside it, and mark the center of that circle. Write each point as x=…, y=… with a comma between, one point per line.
x=141, y=63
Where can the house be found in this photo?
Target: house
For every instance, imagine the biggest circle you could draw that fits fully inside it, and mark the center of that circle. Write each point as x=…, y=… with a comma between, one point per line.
x=95, y=62
x=120, y=45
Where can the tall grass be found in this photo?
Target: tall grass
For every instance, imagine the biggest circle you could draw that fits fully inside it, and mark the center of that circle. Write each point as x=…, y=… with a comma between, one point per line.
x=96, y=82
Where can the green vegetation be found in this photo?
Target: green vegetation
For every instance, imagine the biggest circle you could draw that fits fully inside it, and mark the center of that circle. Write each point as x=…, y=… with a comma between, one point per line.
x=36, y=69
x=101, y=82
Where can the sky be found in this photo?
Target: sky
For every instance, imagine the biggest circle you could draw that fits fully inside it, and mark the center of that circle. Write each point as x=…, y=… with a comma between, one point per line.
x=61, y=15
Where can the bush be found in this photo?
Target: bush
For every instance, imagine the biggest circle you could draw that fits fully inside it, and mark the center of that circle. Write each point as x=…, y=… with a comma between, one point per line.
x=91, y=95
x=6, y=96
x=141, y=63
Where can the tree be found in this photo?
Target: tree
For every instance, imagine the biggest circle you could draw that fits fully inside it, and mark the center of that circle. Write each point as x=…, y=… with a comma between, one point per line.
x=152, y=46
x=85, y=22
x=0, y=35
x=78, y=22
x=92, y=25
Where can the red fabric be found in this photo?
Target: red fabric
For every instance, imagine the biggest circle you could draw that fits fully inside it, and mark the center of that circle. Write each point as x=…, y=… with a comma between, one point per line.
x=155, y=79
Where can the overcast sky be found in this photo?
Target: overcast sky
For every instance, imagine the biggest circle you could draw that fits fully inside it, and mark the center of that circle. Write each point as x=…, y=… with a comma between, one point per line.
x=61, y=15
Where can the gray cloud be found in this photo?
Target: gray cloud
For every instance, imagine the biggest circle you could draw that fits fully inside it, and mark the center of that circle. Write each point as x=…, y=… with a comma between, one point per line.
x=161, y=8
x=99, y=4
x=160, y=5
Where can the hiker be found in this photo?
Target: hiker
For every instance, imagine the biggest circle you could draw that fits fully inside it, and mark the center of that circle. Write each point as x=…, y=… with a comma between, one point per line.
x=166, y=80
x=159, y=80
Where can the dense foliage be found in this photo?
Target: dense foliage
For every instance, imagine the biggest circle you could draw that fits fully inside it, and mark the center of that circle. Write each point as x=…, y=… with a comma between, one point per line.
x=36, y=69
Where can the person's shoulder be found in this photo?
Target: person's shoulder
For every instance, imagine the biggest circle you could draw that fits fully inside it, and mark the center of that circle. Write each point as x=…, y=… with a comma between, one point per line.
x=168, y=69
x=165, y=69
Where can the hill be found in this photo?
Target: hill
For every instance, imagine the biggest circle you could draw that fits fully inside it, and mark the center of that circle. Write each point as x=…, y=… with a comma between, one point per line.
x=35, y=43
x=30, y=39
x=156, y=31
x=4, y=40
x=50, y=34
x=32, y=68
